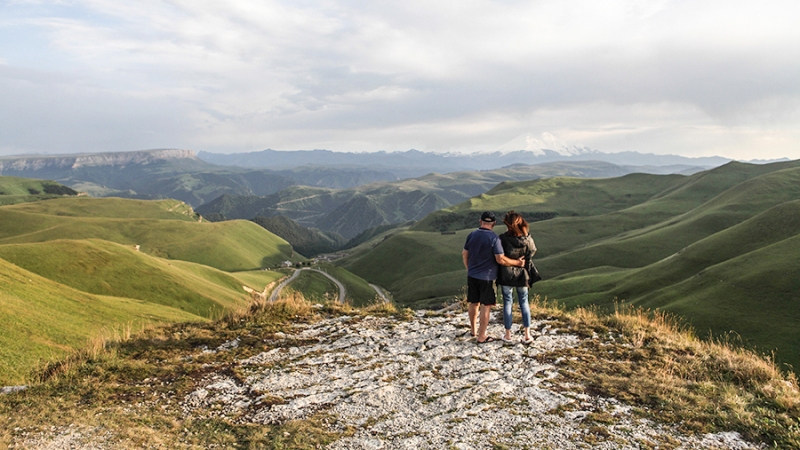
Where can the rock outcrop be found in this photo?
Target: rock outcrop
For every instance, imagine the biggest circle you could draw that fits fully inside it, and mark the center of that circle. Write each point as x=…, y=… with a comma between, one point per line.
x=32, y=163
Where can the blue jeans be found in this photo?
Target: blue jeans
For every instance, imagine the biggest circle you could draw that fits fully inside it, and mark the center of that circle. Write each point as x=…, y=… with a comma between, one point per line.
x=508, y=302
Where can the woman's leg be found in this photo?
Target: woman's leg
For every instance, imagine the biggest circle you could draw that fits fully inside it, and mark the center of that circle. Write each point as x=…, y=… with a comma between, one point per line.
x=525, y=309
x=508, y=302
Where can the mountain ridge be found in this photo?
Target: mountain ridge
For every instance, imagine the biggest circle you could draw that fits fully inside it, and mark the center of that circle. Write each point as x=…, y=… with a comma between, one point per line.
x=23, y=163
x=426, y=162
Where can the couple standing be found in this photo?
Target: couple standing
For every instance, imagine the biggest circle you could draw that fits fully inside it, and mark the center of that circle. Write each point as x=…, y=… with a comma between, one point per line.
x=505, y=258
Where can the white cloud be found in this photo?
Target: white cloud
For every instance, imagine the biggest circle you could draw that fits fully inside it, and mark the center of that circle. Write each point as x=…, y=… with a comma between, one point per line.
x=446, y=76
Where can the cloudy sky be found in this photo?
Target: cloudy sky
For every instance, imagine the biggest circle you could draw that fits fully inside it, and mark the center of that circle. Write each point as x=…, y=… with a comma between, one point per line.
x=689, y=77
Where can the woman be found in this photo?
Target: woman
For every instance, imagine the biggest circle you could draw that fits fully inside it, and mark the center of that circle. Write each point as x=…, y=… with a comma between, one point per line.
x=516, y=244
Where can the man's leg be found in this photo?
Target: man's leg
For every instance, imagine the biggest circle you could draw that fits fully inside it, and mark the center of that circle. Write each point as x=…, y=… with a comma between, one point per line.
x=484, y=322
x=473, y=316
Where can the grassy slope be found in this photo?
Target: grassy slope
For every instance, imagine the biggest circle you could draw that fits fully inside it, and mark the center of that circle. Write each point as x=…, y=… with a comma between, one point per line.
x=653, y=243
x=111, y=208
x=563, y=196
x=105, y=268
x=80, y=253
x=402, y=262
x=306, y=241
x=161, y=228
x=43, y=320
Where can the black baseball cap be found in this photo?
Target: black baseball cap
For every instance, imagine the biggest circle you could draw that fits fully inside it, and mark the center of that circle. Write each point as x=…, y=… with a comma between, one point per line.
x=488, y=216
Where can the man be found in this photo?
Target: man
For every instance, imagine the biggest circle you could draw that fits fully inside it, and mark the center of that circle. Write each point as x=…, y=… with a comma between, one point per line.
x=482, y=254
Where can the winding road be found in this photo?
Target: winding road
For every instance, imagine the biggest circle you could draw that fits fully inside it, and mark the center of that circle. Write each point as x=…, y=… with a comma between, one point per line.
x=279, y=288
x=381, y=292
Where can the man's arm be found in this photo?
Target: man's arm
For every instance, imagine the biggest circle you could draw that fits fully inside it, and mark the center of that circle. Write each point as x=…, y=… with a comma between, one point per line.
x=504, y=260
x=465, y=257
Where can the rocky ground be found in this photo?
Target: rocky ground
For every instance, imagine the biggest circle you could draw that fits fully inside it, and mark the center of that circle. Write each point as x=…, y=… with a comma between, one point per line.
x=391, y=383
x=426, y=384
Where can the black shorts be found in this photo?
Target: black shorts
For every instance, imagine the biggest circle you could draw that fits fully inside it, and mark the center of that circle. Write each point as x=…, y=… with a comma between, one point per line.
x=481, y=291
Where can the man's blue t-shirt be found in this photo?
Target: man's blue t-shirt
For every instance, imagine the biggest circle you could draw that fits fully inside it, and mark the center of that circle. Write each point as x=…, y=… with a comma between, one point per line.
x=482, y=245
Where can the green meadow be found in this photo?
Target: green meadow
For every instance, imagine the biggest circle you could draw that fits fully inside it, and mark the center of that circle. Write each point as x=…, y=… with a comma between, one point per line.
x=316, y=287
x=164, y=228
x=71, y=273
x=718, y=248
x=43, y=320
x=106, y=268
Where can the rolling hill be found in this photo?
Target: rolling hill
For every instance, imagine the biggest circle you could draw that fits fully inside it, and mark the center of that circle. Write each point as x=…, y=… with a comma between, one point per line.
x=105, y=268
x=44, y=320
x=713, y=247
x=71, y=273
x=164, y=228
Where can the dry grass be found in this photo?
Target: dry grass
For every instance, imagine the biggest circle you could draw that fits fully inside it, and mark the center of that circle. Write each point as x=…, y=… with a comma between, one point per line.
x=652, y=360
x=96, y=347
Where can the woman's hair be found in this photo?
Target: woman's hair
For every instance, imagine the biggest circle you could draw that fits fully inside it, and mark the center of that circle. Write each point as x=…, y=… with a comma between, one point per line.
x=516, y=224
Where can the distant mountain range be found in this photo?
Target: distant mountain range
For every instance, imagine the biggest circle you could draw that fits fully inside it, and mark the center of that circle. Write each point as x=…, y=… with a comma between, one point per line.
x=179, y=174
x=415, y=163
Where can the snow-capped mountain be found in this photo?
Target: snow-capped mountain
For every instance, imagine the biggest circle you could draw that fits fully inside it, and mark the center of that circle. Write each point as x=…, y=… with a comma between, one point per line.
x=539, y=146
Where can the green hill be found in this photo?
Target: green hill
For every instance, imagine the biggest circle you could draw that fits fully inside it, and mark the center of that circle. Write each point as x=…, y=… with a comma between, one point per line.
x=359, y=292
x=714, y=247
x=44, y=320
x=105, y=268
x=161, y=228
x=71, y=272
